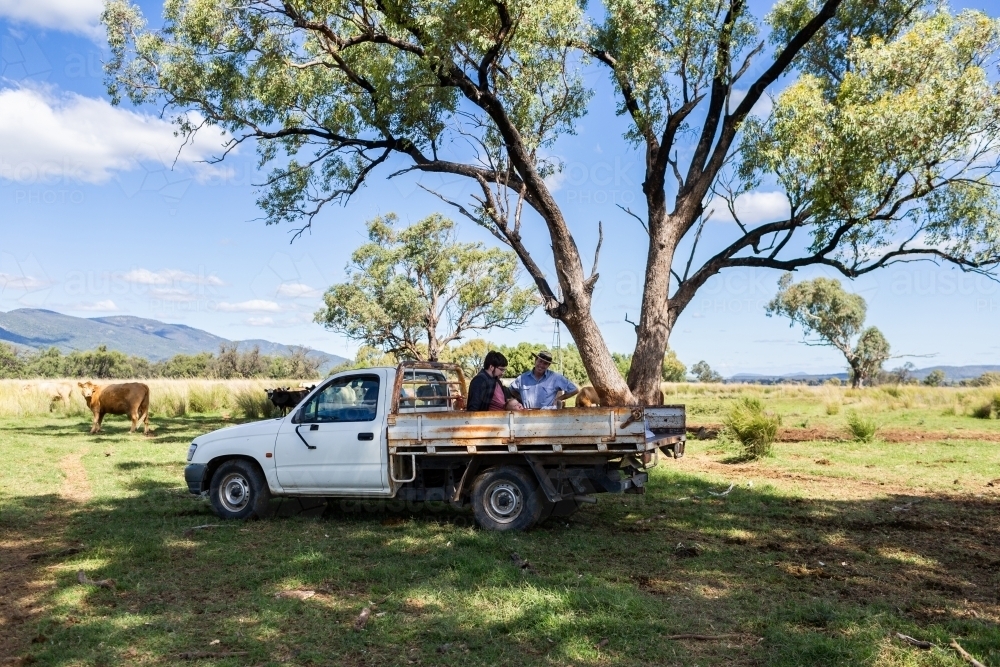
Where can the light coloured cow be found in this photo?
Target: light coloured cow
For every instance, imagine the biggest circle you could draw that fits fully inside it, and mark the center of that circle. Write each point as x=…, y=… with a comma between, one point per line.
x=588, y=398
x=56, y=391
x=130, y=398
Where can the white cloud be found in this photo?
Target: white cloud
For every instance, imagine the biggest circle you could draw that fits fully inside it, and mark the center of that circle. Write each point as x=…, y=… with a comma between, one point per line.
x=260, y=321
x=173, y=294
x=752, y=208
x=27, y=283
x=171, y=276
x=80, y=16
x=49, y=138
x=252, y=306
x=100, y=306
x=297, y=290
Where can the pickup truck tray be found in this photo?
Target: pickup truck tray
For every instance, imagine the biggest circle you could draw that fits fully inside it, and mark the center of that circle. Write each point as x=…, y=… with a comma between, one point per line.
x=609, y=432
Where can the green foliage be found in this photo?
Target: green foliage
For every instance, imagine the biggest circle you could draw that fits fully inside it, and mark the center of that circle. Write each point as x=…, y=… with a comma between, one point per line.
x=935, y=378
x=12, y=364
x=754, y=429
x=105, y=364
x=102, y=364
x=893, y=136
x=868, y=356
x=673, y=369
x=836, y=317
x=623, y=362
x=185, y=366
x=413, y=291
x=704, y=373
x=469, y=355
x=46, y=364
x=390, y=72
x=821, y=307
x=862, y=427
x=987, y=379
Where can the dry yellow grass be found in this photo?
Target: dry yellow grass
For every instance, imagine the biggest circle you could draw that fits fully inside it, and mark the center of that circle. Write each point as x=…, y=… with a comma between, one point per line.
x=167, y=398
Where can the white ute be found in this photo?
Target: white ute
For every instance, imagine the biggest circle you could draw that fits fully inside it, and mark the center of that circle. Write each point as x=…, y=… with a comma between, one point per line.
x=403, y=433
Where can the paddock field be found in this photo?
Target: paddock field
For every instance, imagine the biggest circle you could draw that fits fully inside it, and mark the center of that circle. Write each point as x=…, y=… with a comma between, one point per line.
x=817, y=555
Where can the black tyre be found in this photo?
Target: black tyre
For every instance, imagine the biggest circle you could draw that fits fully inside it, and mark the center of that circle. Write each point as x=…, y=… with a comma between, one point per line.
x=239, y=490
x=506, y=498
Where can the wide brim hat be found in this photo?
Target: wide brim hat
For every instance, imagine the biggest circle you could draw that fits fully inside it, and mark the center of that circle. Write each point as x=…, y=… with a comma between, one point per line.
x=544, y=355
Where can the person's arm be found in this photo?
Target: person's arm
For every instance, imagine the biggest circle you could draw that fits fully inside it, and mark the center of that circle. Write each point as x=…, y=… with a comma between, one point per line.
x=515, y=389
x=477, y=389
x=569, y=390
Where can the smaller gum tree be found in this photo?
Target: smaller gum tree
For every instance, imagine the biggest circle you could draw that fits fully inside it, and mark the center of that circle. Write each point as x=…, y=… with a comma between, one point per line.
x=413, y=291
x=836, y=318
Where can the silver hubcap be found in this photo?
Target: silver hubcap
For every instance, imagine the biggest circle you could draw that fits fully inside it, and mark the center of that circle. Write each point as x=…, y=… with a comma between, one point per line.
x=234, y=492
x=504, y=501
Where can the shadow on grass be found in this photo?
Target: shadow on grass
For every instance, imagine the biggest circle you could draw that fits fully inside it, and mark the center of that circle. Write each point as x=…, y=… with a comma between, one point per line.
x=817, y=582
x=163, y=430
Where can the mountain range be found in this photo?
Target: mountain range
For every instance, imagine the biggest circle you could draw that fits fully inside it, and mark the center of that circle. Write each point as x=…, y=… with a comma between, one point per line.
x=38, y=329
x=951, y=374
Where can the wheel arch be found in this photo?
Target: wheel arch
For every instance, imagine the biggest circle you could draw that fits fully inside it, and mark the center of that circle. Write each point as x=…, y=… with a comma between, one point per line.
x=217, y=461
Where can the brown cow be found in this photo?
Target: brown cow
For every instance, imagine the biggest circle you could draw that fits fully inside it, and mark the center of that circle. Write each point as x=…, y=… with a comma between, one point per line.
x=588, y=398
x=130, y=398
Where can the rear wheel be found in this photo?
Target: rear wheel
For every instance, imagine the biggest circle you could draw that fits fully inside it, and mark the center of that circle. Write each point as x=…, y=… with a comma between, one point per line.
x=506, y=498
x=239, y=491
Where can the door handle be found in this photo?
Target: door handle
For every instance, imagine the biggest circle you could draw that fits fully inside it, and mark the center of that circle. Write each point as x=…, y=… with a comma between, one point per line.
x=314, y=427
x=303, y=439
x=366, y=436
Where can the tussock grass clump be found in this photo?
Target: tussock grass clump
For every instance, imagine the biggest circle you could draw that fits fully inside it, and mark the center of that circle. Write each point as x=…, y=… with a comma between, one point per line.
x=168, y=403
x=252, y=403
x=833, y=408
x=983, y=411
x=862, y=427
x=208, y=397
x=752, y=427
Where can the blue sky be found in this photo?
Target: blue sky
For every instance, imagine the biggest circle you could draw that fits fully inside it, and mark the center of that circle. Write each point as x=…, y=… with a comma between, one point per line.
x=97, y=217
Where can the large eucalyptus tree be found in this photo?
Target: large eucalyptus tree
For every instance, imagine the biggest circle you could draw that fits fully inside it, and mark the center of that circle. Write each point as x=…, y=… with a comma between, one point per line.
x=885, y=145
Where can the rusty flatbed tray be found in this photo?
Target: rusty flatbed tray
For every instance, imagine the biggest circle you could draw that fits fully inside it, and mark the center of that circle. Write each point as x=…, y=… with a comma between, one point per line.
x=608, y=432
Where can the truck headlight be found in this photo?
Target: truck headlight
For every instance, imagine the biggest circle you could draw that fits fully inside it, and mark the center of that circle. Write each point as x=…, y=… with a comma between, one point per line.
x=191, y=449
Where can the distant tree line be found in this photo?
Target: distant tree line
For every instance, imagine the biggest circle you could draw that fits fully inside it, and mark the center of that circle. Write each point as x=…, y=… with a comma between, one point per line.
x=104, y=364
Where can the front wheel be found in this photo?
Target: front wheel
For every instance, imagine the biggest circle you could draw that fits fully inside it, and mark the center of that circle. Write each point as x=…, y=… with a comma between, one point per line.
x=239, y=491
x=506, y=498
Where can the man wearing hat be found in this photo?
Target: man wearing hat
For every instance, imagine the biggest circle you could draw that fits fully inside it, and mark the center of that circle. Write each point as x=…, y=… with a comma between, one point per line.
x=540, y=387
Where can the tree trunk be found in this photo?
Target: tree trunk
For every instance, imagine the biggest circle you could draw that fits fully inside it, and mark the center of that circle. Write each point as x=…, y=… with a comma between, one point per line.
x=857, y=379
x=655, y=321
x=601, y=368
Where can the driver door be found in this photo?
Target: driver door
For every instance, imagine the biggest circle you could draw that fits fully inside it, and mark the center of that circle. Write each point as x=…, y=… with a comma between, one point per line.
x=334, y=442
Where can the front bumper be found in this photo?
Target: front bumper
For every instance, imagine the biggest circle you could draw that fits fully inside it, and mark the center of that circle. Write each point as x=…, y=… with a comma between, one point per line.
x=194, y=475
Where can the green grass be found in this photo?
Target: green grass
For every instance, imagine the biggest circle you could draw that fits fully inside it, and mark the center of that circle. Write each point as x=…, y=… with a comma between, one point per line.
x=903, y=548
x=752, y=427
x=862, y=427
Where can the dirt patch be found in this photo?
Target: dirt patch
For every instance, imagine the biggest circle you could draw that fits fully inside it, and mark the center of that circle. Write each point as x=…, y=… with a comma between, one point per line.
x=788, y=434
x=29, y=554
x=77, y=485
